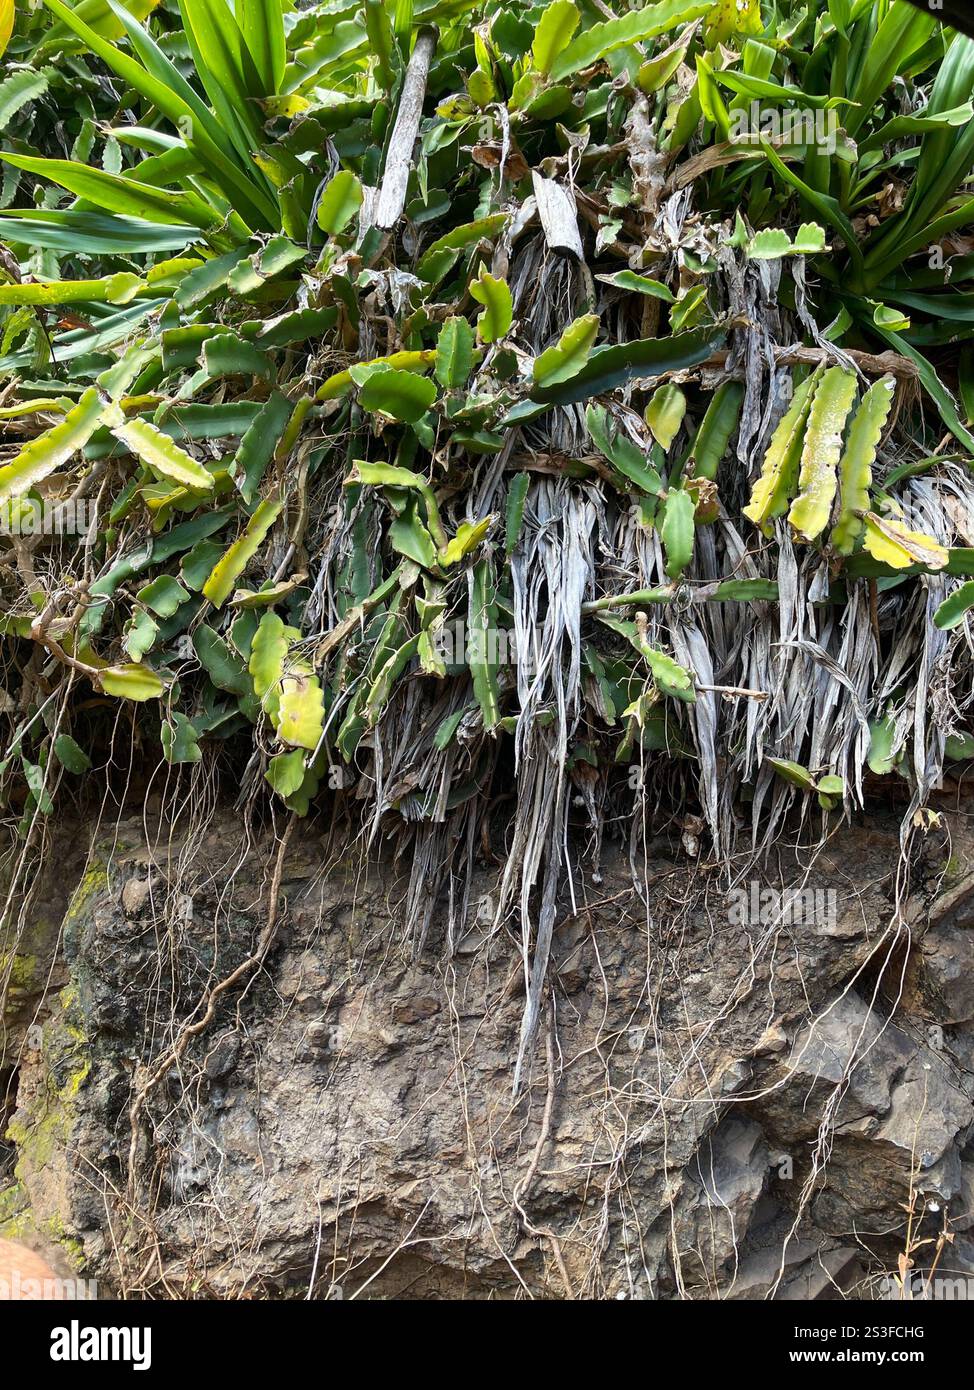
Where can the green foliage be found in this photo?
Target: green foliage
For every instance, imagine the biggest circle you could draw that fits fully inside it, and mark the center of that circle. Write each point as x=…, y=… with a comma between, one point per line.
x=318, y=446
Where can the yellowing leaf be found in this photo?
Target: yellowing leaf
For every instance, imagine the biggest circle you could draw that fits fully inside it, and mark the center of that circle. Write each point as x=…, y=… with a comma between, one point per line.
x=55, y=404
x=855, y=468
x=7, y=14
x=301, y=711
x=388, y=475
x=268, y=653
x=131, y=682
x=664, y=415
x=564, y=358
x=342, y=382
x=467, y=538
x=162, y=454
x=893, y=544
x=227, y=570
x=111, y=289
x=729, y=17
x=52, y=448
x=771, y=492
x=817, y=478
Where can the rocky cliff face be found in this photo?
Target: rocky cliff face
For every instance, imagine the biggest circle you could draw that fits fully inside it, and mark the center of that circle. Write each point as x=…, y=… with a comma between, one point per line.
x=732, y=1096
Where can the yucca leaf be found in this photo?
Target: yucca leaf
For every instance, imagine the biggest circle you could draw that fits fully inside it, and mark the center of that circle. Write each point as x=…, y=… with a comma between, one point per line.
x=112, y=329
x=934, y=387
x=225, y=68
x=161, y=84
x=827, y=207
x=117, y=194
x=262, y=28
x=92, y=234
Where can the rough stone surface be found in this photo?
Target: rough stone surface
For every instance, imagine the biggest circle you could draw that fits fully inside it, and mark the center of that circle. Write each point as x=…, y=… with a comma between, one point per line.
x=718, y=1106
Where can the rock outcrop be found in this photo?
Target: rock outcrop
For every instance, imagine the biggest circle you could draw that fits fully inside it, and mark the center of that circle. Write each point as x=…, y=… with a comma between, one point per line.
x=734, y=1097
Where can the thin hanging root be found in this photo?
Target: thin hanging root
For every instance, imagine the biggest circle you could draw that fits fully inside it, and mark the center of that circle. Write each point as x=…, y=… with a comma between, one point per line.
x=192, y=1030
x=524, y=1185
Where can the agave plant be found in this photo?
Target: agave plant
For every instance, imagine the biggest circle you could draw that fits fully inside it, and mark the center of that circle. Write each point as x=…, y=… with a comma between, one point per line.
x=380, y=332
